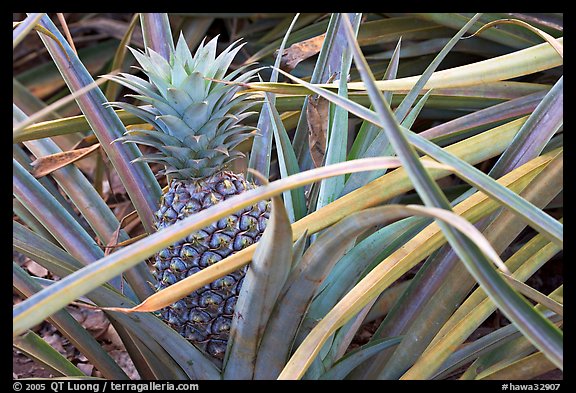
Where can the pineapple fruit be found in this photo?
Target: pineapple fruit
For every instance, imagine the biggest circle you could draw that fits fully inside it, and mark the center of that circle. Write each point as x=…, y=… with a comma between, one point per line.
x=197, y=126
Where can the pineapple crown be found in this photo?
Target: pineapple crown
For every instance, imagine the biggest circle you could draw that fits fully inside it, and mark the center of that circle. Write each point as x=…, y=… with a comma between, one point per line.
x=192, y=106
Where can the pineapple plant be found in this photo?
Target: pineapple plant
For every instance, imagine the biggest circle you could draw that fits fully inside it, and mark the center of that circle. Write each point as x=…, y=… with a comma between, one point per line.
x=197, y=127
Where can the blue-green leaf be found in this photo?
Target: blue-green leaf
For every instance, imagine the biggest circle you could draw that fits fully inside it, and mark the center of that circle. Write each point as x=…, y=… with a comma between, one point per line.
x=268, y=271
x=262, y=145
x=356, y=357
x=294, y=199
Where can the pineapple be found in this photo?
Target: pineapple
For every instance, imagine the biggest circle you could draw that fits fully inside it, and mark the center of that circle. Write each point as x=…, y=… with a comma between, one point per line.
x=196, y=120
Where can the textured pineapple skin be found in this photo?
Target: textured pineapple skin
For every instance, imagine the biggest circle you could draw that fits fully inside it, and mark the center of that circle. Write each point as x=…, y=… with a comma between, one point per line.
x=205, y=316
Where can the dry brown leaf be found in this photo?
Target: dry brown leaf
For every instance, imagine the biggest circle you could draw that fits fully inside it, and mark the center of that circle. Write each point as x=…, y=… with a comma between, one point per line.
x=36, y=269
x=91, y=319
x=85, y=368
x=55, y=341
x=96, y=322
x=48, y=164
x=317, y=118
x=112, y=336
x=81, y=357
x=301, y=51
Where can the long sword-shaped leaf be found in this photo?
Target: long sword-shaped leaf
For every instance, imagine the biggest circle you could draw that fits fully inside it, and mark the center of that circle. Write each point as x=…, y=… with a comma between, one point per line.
x=44, y=80
x=428, y=191
x=380, y=145
x=352, y=266
x=168, y=346
x=56, y=219
x=24, y=28
x=467, y=98
x=501, y=232
x=93, y=209
x=268, y=271
x=45, y=253
x=410, y=98
x=510, y=351
x=445, y=280
x=137, y=178
x=442, y=347
x=295, y=200
x=457, y=20
x=157, y=33
x=38, y=349
x=53, y=216
x=297, y=364
x=552, y=171
x=541, y=125
x=358, y=356
x=300, y=140
x=528, y=368
x=28, y=102
x=523, y=62
x=500, y=341
x=547, y=37
x=49, y=110
x=368, y=131
x=337, y=133
x=411, y=117
x=535, y=295
x=537, y=251
x=504, y=357
x=507, y=353
x=343, y=338
x=262, y=144
x=328, y=63
x=60, y=263
x=528, y=143
x=65, y=126
x=29, y=220
x=71, y=329
x=25, y=160
x=442, y=133
x=112, y=89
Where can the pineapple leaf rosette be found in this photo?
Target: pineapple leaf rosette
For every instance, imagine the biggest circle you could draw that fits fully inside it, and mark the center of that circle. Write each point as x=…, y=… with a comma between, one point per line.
x=197, y=120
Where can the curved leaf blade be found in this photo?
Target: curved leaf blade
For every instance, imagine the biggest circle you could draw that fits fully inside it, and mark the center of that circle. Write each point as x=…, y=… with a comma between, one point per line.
x=138, y=179
x=262, y=144
x=261, y=286
x=343, y=366
x=71, y=329
x=157, y=33
x=35, y=347
x=22, y=28
x=294, y=200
